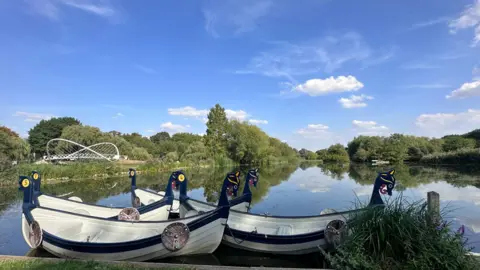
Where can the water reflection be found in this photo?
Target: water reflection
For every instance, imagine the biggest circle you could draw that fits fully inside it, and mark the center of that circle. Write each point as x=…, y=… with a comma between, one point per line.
x=306, y=189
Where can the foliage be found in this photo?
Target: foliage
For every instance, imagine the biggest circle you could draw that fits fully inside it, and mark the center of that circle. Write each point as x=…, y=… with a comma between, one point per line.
x=460, y=156
x=12, y=148
x=217, y=125
x=46, y=130
x=160, y=136
x=399, y=236
x=454, y=143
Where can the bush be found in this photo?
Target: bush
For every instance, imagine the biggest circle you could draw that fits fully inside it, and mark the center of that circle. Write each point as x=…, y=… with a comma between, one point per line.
x=462, y=156
x=398, y=236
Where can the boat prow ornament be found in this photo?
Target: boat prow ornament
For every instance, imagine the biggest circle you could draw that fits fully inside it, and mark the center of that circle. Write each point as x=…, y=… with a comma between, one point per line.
x=129, y=214
x=175, y=236
x=335, y=233
x=136, y=202
x=75, y=198
x=35, y=235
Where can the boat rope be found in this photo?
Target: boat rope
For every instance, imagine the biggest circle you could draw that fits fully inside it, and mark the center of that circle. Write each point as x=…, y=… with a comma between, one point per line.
x=66, y=194
x=241, y=240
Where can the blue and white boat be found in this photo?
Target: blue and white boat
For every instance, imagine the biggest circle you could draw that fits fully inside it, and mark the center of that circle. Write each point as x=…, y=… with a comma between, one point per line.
x=241, y=203
x=79, y=236
x=282, y=234
x=152, y=210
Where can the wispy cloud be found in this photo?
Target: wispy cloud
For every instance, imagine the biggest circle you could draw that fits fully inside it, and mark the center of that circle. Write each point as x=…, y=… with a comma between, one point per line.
x=370, y=128
x=33, y=117
x=258, y=122
x=317, y=87
x=118, y=115
x=144, y=69
x=52, y=9
x=470, y=18
x=229, y=17
x=287, y=60
x=432, y=22
x=427, y=86
x=355, y=101
x=314, y=131
x=440, y=124
x=419, y=66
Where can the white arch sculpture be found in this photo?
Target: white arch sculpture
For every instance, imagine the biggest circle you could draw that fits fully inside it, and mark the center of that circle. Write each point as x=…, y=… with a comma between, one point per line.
x=86, y=152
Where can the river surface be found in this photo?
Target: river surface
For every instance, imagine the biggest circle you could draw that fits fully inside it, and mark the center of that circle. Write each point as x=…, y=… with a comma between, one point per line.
x=286, y=190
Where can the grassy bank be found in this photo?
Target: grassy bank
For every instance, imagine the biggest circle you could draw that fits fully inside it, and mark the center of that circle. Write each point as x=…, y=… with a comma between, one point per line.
x=52, y=264
x=52, y=173
x=399, y=236
x=462, y=156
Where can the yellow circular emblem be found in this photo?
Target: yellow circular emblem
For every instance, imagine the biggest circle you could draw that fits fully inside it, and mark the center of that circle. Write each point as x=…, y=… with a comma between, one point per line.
x=132, y=173
x=35, y=176
x=181, y=177
x=25, y=183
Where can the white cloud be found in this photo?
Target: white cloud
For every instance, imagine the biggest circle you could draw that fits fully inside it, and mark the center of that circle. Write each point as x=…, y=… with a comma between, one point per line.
x=236, y=115
x=313, y=130
x=370, y=128
x=188, y=112
x=258, y=122
x=144, y=69
x=174, y=128
x=470, y=18
x=467, y=90
x=52, y=8
x=33, y=117
x=287, y=60
x=317, y=87
x=229, y=17
x=150, y=131
x=430, y=23
x=441, y=124
x=419, y=66
x=355, y=101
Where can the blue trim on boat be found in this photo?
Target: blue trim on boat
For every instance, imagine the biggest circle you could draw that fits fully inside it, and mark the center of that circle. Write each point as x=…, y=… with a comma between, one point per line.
x=275, y=239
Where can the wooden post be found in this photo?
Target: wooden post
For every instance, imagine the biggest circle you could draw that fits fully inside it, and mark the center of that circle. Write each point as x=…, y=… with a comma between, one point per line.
x=433, y=207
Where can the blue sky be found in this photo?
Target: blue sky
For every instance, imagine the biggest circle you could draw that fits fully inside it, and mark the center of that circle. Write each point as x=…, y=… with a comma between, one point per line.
x=310, y=72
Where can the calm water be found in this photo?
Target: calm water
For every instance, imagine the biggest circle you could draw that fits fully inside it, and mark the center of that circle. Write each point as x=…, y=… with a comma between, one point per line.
x=287, y=190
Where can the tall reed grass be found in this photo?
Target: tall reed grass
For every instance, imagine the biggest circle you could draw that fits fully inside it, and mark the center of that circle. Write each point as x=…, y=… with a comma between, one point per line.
x=400, y=236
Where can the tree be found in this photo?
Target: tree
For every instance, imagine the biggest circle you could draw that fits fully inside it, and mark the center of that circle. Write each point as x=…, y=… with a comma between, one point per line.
x=217, y=125
x=337, y=153
x=248, y=144
x=322, y=154
x=303, y=153
x=12, y=148
x=160, y=137
x=311, y=156
x=454, y=142
x=46, y=130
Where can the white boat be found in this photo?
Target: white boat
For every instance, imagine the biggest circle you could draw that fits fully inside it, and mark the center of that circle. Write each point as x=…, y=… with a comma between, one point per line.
x=241, y=203
x=281, y=234
x=151, y=210
x=78, y=236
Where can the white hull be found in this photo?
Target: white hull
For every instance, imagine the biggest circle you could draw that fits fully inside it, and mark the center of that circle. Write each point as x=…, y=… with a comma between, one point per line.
x=203, y=240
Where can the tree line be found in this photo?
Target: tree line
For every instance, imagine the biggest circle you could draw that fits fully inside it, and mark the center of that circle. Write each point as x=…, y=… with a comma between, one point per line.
x=226, y=141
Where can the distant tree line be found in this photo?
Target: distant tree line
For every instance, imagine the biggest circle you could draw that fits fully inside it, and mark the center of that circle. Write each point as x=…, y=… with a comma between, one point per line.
x=226, y=141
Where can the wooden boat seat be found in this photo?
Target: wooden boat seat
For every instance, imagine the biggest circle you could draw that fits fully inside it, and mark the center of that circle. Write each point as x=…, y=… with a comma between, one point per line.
x=284, y=230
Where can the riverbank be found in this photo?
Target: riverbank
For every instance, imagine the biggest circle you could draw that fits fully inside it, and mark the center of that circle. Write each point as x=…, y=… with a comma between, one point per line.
x=21, y=262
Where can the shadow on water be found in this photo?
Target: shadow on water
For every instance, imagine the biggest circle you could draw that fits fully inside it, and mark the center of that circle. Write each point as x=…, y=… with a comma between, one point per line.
x=273, y=189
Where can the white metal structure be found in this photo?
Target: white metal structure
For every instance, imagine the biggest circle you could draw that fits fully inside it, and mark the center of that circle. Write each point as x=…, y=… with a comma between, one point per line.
x=63, y=149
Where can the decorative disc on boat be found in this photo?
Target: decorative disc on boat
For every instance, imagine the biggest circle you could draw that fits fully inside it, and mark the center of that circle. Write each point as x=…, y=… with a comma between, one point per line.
x=335, y=232
x=136, y=202
x=175, y=236
x=35, y=235
x=129, y=214
x=75, y=198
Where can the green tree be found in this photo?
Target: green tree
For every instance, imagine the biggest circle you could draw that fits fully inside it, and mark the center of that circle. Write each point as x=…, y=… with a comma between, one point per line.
x=311, y=156
x=160, y=137
x=337, y=153
x=322, y=154
x=12, y=147
x=248, y=144
x=46, y=130
x=217, y=128
x=454, y=142
x=140, y=141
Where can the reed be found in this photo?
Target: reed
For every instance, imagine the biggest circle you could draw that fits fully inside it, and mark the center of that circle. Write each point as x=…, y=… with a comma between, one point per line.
x=399, y=236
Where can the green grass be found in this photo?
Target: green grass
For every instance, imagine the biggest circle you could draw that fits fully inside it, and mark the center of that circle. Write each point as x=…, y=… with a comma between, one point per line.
x=40, y=264
x=398, y=236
